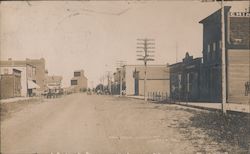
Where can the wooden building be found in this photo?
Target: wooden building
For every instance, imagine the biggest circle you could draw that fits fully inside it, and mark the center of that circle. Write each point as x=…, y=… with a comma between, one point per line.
x=10, y=84
x=237, y=32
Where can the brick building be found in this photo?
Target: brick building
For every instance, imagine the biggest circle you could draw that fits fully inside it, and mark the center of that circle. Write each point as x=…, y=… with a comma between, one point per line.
x=79, y=81
x=185, y=79
x=28, y=71
x=40, y=72
x=237, y=32
x=10, y=84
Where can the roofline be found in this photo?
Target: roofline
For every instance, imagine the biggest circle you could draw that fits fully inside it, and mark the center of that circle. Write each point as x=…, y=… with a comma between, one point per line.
x=206, y=18
x=149, y=65
x=197, y=58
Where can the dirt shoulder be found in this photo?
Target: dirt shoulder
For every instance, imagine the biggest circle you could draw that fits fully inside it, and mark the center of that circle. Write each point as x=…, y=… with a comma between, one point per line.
x=7, y=109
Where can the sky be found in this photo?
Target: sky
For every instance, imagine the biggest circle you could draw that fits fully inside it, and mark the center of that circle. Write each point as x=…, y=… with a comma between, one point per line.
x=94, y=35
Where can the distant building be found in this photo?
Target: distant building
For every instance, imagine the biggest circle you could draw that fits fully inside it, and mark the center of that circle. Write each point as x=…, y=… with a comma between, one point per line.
x=53, y=82
x=28, y=71
x=185, y=79
x=132, y=77
x=10, y=84
x=237, y=34
x=119, y=76
x=79, y=81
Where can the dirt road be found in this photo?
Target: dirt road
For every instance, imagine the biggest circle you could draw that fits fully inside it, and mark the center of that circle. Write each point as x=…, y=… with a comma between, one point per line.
x=93, y=124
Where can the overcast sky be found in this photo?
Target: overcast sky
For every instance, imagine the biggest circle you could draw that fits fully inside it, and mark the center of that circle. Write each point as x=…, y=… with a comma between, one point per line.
x=94, y=35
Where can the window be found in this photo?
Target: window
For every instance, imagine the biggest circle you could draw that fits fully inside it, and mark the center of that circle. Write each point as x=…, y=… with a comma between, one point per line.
x=73, y=82
x=76, y=74
x=179, y=81
x=188, y=84
x=208, y=52
x=220, y=44
x=214, y=46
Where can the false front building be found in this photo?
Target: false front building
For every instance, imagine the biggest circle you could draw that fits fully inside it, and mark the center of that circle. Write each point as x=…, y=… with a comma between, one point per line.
x=237, y=31
x=185, y=79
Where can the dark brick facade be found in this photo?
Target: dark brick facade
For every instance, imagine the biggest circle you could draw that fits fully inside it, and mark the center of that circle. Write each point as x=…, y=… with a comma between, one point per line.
x=39, y=78
x=185, y=79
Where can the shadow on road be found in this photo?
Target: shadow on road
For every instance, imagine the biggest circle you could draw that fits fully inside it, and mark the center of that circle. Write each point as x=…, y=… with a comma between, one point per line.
x=232, y=130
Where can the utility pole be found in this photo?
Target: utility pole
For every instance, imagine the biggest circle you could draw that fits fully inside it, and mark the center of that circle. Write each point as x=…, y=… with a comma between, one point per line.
x=223, y=57
x=223, y=53
x=145, y=51
x=120, y=66
x=109, y=81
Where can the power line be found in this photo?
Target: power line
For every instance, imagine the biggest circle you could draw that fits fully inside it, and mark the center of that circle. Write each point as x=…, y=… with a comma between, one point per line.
x=145, y=54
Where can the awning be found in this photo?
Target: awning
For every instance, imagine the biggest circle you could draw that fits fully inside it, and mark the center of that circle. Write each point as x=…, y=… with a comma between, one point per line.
x=32, y=85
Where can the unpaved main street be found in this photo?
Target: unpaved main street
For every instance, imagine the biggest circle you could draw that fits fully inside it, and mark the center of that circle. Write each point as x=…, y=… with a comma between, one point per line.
x=81, y=123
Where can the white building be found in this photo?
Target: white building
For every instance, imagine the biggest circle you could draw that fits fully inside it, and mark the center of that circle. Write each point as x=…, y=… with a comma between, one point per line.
x=157, y=79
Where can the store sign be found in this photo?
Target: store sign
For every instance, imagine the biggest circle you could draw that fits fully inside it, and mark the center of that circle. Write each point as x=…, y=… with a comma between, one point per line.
x=239, y=14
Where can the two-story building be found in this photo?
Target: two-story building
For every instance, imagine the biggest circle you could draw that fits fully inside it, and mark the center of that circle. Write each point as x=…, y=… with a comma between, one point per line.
x=27, y=71
x=79, y=82
x=237, y=31
x=54, y=83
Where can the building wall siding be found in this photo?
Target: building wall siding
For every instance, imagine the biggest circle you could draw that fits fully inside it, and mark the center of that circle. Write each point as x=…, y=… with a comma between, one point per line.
x=7, y=84
x=238, y=75
x=24, y=79
x=161, y=86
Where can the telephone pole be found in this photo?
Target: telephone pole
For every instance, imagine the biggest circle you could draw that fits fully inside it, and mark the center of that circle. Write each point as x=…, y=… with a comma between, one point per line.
x=145, y=53
x=223, y=53
x=121, y=64
x=223, y=57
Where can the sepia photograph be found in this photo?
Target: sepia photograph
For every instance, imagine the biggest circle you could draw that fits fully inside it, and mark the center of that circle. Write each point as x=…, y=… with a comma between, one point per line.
x=125, y=77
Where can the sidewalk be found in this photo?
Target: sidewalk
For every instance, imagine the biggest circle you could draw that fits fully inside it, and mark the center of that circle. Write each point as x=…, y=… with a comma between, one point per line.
x=136, y=97
x=214, y=106
x=15, y=99
x=217, y=106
